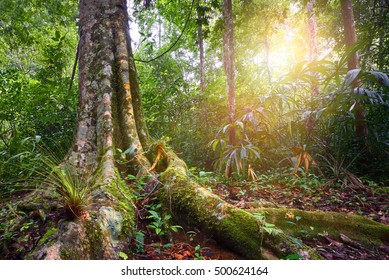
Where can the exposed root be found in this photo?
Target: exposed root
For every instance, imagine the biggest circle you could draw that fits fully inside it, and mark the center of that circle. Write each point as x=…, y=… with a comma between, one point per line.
x=236, y=229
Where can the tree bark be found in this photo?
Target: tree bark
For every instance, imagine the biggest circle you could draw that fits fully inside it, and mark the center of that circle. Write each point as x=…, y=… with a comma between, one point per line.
x=108, y=95
x=383, y=30
x=350, y=35
x=229, y=65
x=312, y=45
x=201, y=46
x=107, y=76
x=360, y=124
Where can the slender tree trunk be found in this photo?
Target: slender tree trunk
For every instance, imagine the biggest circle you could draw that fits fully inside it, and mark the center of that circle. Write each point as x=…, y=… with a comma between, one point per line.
x=312, y=45
x=349, y=31
x=383, y=29
x=229, y=65
x=360, y=124
x=267, y=52
x=201, y=46
x=313, y=56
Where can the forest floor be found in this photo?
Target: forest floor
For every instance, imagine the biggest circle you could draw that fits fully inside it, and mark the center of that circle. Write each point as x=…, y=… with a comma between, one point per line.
x=193, y=244
x=157, y=237
x=369, y=202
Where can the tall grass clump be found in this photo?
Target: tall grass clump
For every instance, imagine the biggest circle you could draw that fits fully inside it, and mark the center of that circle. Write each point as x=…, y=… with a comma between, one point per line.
x=74, y=192
x=59, y=177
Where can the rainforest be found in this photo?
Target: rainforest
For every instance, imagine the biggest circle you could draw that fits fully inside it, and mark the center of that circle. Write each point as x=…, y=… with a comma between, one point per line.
x=194, y=129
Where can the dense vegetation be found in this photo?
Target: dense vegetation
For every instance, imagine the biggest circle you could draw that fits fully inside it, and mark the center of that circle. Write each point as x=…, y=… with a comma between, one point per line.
x=285, y=132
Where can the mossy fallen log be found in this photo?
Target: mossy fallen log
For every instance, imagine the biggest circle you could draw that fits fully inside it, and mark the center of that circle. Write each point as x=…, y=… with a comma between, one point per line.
x=311, y=223
x=236, y=229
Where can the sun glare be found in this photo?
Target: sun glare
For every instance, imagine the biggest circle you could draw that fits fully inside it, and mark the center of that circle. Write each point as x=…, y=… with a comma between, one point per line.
x=285, y=49
x=280, y=57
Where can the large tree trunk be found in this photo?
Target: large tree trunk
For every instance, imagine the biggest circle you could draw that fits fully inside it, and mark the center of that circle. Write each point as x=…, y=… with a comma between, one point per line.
x=109, y=105
x=108, y=117
x=360, y=123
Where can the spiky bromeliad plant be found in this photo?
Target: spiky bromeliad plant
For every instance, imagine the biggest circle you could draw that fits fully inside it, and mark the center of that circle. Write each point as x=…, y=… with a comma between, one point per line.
x=74, y=192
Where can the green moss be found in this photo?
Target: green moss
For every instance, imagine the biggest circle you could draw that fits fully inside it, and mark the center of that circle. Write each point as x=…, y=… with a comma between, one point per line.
x=172, y=174
x=123, y=204
x=356, y=227
x=73, y=243
x=66, y=255
x=46, y=198
x=94, y=240
x=182, y=196
x=48, y=234
x=240, y=231
x=90, y=246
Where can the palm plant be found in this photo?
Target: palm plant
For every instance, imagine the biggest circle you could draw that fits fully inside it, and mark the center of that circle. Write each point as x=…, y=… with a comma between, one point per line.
x=238, y=158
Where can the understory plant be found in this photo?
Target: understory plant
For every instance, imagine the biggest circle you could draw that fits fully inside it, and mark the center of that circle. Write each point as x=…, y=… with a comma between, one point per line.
x=290, y=122
x=73, y=191
x=238, y=158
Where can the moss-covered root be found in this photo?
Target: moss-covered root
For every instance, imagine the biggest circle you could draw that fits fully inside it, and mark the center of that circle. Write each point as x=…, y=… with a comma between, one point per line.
x=238, y=230
x=356, y=227
x=101, y=233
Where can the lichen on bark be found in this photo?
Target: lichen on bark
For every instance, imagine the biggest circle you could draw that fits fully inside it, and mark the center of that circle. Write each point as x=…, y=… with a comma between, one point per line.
x=105, y=122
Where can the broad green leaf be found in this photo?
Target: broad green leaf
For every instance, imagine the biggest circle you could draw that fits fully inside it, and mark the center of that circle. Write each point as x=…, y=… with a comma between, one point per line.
x=294, y=257
x=351, y=76
x=320, y=113
x=130, y=150
x=381, y=77
x=123, y=255
x=215, y=142
x=225, y=128
x=153, y=214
